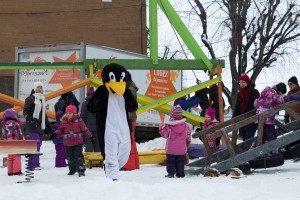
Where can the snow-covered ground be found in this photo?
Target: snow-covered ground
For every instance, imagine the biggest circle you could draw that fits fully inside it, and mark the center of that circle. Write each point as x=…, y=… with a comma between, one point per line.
x=148, y=183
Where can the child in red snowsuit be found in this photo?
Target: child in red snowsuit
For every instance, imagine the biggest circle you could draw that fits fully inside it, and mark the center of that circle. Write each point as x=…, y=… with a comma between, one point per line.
x=73, y=131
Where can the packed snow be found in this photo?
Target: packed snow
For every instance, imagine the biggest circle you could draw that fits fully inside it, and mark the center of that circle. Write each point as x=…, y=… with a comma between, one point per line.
x=148, y=182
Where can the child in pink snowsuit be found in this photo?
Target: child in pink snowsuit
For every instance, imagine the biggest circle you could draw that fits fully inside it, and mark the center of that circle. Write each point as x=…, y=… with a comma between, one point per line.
x=178, y=134
x=210, y=121
x=11, y=131
x=269, y=98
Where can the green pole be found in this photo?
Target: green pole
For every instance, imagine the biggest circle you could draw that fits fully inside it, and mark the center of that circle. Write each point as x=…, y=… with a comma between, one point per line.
x=153, y=31
x=183, y=32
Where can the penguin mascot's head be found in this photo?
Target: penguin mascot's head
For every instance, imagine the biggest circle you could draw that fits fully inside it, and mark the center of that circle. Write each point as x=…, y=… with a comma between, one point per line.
x=114, y=77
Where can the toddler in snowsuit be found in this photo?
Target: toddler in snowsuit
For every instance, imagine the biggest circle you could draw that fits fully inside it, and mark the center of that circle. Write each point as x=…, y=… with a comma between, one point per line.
x=73, y=131
x=210, y=121
x=11, y=131
x=178, y=134
x=269, y=98
x=59, y=146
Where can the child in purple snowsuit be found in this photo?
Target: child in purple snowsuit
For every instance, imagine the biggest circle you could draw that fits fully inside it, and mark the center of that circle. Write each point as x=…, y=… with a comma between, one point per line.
x=269, y=98
x=178, y=134
x=59, y=146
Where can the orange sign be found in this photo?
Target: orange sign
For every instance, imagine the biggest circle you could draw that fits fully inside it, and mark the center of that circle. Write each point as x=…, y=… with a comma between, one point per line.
x=161, y=85
x=67, y=76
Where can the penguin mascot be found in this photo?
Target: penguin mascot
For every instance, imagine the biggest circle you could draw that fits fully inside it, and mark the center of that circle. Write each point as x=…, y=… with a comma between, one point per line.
x=111, y=103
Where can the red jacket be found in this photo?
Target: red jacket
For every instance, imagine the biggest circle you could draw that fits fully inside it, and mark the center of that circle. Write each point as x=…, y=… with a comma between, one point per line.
x=72, y=131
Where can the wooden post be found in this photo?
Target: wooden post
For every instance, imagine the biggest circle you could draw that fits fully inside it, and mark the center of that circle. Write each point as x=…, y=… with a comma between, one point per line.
x=207, y=149
x=228, y=143
x=220, y=98
x=260, y=129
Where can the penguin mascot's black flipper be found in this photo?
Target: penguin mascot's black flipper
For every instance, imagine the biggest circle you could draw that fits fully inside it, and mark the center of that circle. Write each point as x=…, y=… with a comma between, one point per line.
x=111, y=102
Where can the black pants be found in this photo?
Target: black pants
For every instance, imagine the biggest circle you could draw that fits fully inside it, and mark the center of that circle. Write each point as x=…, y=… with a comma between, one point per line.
x=175, y=165
x=75, y=158
x=92, y=144
x=248, y=132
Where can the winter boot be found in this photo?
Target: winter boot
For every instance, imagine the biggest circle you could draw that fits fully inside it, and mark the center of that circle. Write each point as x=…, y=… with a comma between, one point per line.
x=71, y=173
x=18, y=174
x=169, y=176
x=81, y=173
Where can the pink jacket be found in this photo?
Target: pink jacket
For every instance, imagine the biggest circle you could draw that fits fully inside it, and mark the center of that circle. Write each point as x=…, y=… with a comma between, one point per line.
x=72, y=131
x=268, y=99
x=178, y=135
x=211, y=139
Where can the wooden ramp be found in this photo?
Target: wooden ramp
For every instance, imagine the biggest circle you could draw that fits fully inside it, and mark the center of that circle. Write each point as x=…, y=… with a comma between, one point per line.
x=237, y=154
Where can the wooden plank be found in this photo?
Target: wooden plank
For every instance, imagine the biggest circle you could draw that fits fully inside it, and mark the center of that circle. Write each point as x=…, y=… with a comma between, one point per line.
x=226, y=123
x=234, y=138
x=260, y=130
x=18, y=146
x=241, y=119
x=237, y=125
x=240, y=148
x=228, y=143
x=291, y=112
x=281, y=126
x=207, y=149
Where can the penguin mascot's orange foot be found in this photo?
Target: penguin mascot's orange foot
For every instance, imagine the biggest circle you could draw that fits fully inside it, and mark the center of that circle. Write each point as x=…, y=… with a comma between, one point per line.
x=133, y=161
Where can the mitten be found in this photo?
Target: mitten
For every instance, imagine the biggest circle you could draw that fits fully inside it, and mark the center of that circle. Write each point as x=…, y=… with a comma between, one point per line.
x=29, y=118
x=52, y=136
x=188, y=143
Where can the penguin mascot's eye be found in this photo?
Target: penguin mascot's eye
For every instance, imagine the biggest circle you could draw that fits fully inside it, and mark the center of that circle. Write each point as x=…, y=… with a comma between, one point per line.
x=112, y=77
x=122, y=76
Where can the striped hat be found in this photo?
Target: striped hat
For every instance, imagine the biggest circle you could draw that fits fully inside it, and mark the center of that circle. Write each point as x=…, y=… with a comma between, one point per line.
x=176, y=112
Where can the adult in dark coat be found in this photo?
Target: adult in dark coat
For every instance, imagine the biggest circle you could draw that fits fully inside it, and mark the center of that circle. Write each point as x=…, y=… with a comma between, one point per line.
x=294, y=88
x=72, y=100
x=37, y=122
x=62, y=103
x=244, y=104
x=92, y=144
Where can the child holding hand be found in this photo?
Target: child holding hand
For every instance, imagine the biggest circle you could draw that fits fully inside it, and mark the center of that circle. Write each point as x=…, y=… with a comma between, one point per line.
x=73, y=130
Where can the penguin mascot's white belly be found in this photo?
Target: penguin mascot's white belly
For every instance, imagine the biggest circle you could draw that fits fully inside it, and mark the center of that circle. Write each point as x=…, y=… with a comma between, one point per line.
x=116, y=137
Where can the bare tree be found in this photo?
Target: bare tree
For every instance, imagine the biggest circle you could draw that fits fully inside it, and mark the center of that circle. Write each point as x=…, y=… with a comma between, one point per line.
x=260, y=30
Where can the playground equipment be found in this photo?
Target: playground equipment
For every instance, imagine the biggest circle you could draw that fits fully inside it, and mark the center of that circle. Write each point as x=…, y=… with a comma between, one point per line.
x=238, y=154
x=25, y=148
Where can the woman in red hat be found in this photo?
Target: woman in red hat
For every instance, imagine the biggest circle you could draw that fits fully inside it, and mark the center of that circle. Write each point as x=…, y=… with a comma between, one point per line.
x=244, y=104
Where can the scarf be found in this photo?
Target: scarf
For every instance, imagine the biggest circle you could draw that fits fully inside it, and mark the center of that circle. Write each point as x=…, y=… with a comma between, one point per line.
x=244, y=92
x=39, y=106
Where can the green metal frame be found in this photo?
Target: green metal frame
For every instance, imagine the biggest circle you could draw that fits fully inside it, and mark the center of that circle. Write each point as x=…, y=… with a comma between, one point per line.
x=172, y=97
x=182, y=30
x=153, y=31
x=44, y=65
x=162, y=64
